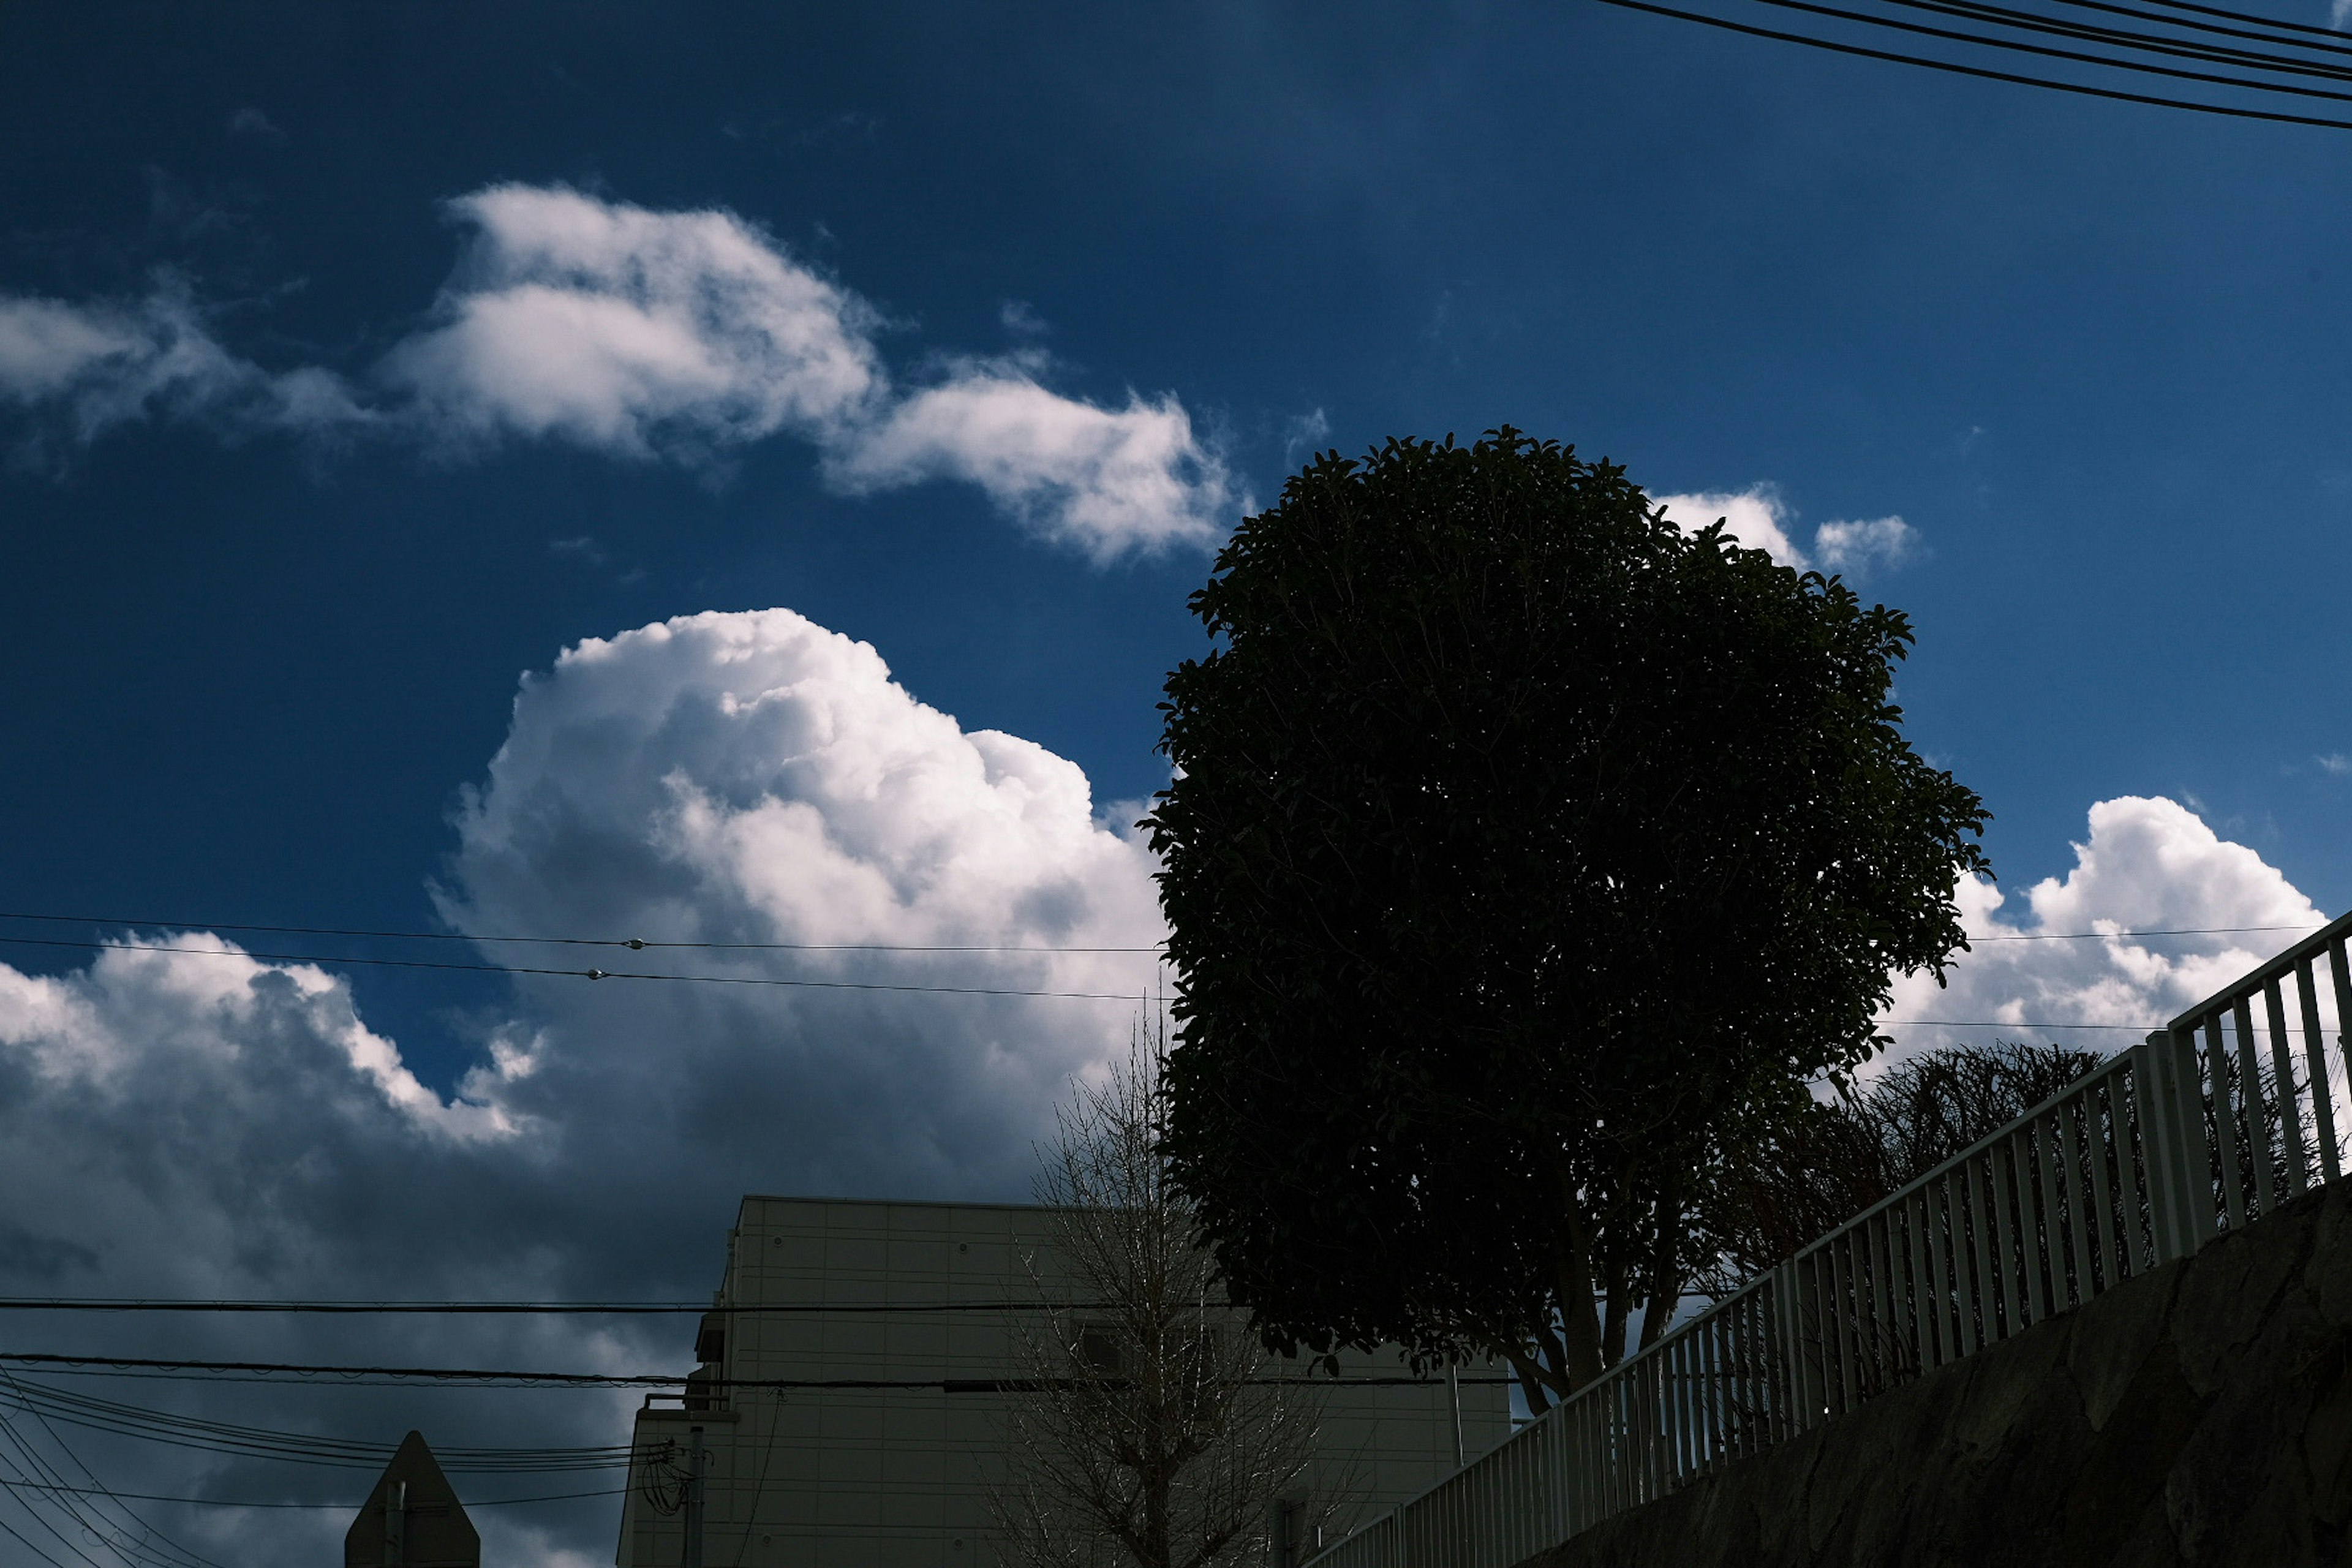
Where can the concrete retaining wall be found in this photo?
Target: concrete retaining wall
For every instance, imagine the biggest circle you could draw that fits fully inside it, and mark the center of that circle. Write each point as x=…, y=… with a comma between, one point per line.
x=2202, y=1415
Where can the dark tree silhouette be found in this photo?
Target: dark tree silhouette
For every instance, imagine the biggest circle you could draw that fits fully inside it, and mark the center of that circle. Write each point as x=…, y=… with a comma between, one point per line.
x=1525, y=856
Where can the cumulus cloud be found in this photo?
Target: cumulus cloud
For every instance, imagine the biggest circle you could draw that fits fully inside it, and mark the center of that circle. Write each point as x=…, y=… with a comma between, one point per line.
x=2148, y=864
x=186, y=1125
x=1102, y=479
x=614, y=327
x=648, y=335
x=1759, y=517
x=756, y=778
x=194, y=1125
x=90, y=368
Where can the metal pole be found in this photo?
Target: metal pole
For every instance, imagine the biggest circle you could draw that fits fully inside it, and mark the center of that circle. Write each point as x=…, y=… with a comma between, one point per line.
x=693, y=1556
x=1454, y=1387
x=395, y=1525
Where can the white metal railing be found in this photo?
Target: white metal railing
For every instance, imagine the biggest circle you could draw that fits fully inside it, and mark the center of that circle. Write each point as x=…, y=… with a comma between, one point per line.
x=2208, y=1124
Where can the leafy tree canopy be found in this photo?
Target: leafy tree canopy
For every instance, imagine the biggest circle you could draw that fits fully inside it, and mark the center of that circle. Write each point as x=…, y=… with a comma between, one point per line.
x=1523, y=853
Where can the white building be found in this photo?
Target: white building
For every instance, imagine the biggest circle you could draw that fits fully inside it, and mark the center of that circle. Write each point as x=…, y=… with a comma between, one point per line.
x=897, y=1477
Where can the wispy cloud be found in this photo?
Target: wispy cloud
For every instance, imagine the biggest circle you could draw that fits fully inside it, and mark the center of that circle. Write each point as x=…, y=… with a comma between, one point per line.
x=2335, y=762
x=1860, y=546
x=81, y=370
x=649, y=336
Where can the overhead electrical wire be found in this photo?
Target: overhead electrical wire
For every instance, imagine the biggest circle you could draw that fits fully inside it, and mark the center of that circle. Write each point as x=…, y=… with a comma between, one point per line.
x=630, y=942
x=2178, y=930
x=130, y=1536
x=566, y=974
x=638, y=944
x=903, y=987
x=2336, y=46
x=341, y=1504
x=581, y=1379
x=2088, y=90
x=2116, y=62
x=2246, y=16
x=551, y=1309
x=48, y=1403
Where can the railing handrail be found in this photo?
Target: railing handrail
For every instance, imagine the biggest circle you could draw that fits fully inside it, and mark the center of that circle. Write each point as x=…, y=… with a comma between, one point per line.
x=2324, y=940
x=2099, y=1181
x=1998, y=1135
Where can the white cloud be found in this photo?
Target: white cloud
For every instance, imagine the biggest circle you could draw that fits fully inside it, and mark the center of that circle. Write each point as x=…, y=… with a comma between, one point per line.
x=1755, y=517
x=631, y=330
x=198, y=1126
x=755, y=777
x=1103, y=479
x=93, y=367
x=651, y=335
x=644, y=333
x=2150, y=864
x=1760, y=518
x=2335, y=762
x=202, y=1126
x=1862, y=545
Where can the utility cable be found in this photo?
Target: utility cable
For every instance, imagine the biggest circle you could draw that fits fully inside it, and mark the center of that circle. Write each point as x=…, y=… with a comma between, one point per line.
x=2247, y=16
x=637, y=944
x=1985, y=73
x=2334, y=47
x=174, y=1554
x=1811, y=8
x=551, y=1308
x=341, y=1505
x=630, y=942
x=2154, y=43
x=46, y=1402
x=598, y=1379
x=2182, y=931
x=565, y=974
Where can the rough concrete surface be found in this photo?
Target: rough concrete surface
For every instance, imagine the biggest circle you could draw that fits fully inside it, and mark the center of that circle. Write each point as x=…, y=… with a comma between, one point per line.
x=2201, y=1414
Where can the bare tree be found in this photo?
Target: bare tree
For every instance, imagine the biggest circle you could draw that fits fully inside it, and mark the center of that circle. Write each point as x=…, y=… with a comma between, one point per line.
x=1818, y=1168
x=1154, y=1430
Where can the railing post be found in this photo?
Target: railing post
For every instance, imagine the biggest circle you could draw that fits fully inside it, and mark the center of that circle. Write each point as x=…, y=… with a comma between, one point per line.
x=2151, y=1099
x=1796, y=1286
x=2172, y=1129
x=2197, y=1204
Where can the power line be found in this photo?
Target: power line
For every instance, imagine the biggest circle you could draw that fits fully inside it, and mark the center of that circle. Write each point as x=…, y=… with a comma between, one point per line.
x=2000, y=16
x=630, y=942
x=172, y=1554
x=614, y=1380
x=591, y=1308
x=470, y=1503
x=2101, y=935
x=564, y=974
x=2004, y=1023
x=2334, y=46
x=637, y=944
x=1986, y=73
x=45, y=1402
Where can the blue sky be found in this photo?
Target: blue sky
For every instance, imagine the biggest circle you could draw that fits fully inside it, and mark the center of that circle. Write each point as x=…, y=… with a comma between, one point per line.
x=258, y=649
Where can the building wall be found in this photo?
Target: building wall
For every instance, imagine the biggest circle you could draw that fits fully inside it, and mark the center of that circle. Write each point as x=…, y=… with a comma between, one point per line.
x=896, y=1477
